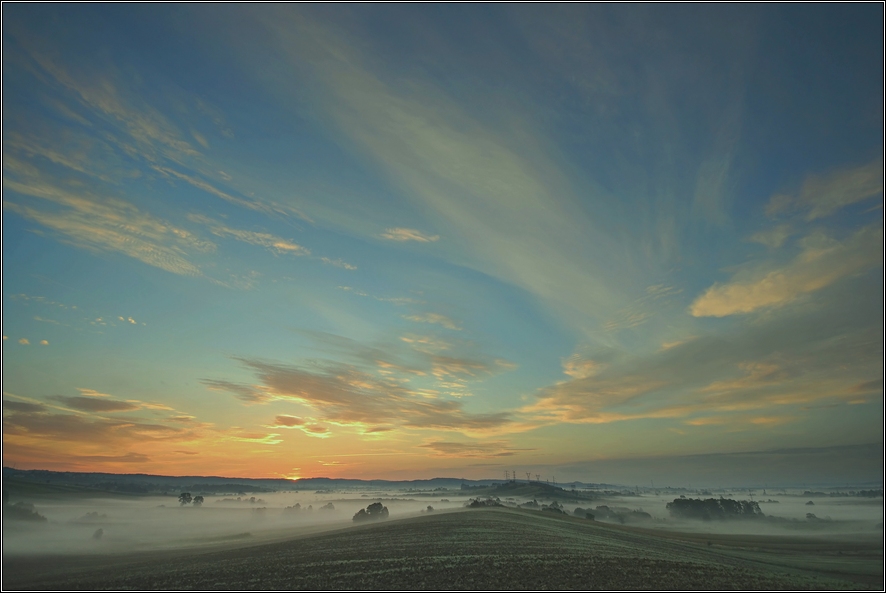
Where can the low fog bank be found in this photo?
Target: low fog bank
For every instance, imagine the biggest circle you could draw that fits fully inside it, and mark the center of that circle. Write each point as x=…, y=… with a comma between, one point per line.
x=113, y=525
x=82, y=525
x=778, y=513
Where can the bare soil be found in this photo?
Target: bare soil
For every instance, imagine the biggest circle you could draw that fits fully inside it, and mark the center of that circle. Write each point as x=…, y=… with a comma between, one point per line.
x=486, y=549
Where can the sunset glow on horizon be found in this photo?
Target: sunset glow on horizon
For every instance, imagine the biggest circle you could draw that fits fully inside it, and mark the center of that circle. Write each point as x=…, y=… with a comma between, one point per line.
x=596, y=242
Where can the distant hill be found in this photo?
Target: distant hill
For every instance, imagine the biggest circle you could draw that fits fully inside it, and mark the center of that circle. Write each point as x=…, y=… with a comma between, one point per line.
x=536, y=490
x=48, y=483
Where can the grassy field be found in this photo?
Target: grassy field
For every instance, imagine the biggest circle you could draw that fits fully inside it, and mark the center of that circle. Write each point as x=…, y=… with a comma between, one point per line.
x=477, y=549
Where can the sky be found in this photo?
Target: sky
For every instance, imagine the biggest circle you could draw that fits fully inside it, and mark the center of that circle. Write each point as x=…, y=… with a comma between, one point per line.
x=590, y=242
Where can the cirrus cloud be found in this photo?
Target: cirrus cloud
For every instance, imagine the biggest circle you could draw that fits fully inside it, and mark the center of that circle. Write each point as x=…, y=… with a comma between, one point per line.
x=345, y=395
x=401, y=234
x=822, y=262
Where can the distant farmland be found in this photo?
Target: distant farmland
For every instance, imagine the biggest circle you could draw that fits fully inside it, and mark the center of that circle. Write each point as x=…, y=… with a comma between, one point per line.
x=480, y=549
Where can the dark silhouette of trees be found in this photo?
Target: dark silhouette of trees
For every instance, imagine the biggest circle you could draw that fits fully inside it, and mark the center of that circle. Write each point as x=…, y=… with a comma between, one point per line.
x=583, y=513
x=712, y=508
x=21, y=511
x=374, y=511
x=198, y=500
x=184, y=498
x=477, y=503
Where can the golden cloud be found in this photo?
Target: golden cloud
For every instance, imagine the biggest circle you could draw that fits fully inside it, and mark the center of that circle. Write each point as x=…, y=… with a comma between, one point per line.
x=822, y=262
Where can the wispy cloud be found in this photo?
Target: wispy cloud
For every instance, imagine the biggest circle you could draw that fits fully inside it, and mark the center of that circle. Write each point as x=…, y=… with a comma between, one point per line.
x=267, y=240
x=434, y=318
x=211, y=189
x=309, y=427
x=477, y=449
x=578, y=367
x=347, y=396
x=774, y=237
x=514, y=210
x=24, y=407
x=267, y=439
x=393, y=300
x=250, y=394
x=91, y=392
x=822, y=195
x=426, y=344
x=338, y=263
x=93, y=404
x=401, y=234
x=822, y=262
x=771, y=369
x=107, y=224
x=119, y=141
x=642, y=309
x=84, y=429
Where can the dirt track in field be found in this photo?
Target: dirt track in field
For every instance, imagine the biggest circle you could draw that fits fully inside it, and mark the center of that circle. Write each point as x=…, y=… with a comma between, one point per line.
x=481, y=549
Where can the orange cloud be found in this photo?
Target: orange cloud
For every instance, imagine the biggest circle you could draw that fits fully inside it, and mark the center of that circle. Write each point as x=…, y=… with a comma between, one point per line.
x=346, y=396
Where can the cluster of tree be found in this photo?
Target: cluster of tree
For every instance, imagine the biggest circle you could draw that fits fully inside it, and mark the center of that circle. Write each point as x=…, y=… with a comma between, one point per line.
x=250, y=500
x=21, y=511
x=862, y=493
x=583, y=513
x=297, y=508
x=869, y=493
x=713, y=508
x=554, y=507
x=185, y=498
x=478, y=503
x=621, y=515
x=374, y=511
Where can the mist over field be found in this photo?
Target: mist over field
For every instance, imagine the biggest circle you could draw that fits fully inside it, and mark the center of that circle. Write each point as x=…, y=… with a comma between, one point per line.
x=143, y=523
x=61, y=530
x=154, y=522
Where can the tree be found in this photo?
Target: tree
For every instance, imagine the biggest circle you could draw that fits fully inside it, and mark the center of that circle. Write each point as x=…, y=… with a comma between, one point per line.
x=198, y=500
x=184, y=498
x=374, y=511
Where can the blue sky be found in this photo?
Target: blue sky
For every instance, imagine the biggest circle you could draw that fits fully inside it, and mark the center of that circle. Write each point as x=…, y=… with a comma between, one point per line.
x=378, y=241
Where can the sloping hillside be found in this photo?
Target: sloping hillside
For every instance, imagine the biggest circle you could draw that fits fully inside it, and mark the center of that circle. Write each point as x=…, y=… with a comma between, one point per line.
x=485, y=549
